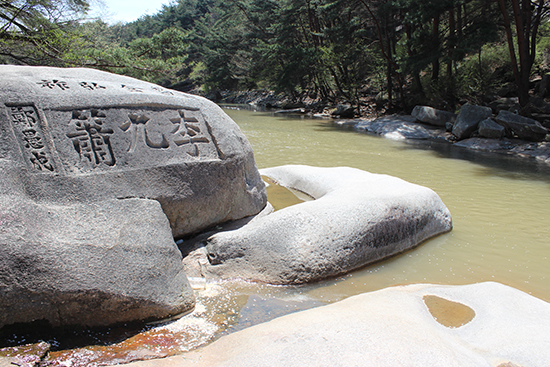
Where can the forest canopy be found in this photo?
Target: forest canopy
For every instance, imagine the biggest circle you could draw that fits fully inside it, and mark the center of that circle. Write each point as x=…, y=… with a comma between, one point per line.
x=334, y=50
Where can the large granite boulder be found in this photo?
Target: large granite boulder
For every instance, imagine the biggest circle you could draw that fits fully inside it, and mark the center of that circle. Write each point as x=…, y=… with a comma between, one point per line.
x=99, y=172
x=468, y=120
x=86, y=135
x=432, y=116
x=481, y=325
x=524, y=127
x=356, y=218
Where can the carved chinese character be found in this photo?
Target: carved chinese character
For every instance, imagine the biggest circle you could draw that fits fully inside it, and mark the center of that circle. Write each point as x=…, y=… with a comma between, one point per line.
x=91, y=86
x=32, y=139
x=90, y=138
x=136, y=125
x=51, y=84
x=24, y=116
x=40, y=161
x=189, y=131
x=132, y=89
x=26, y=124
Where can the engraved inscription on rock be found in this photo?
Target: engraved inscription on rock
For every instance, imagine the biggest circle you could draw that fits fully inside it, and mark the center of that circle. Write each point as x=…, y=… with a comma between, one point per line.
x=28, y=130
x=107, y=139
x=91, y=138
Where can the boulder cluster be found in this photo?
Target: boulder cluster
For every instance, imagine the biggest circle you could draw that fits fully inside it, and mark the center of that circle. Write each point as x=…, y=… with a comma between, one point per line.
x=494, y=122
x=101, y=173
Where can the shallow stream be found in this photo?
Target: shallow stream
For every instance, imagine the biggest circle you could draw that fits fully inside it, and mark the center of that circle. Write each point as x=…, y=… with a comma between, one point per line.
x=500, y=207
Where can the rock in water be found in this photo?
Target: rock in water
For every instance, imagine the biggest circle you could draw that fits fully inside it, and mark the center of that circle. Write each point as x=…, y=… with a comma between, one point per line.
x=356, y=218
x=86, y=157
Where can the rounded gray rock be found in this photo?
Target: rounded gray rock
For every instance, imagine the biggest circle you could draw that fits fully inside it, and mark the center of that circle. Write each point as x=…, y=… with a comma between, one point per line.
x=85, y=135
x=356, y=218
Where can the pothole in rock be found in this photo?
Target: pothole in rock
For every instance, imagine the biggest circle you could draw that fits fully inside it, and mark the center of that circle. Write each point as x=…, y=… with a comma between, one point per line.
x=448, y=313
x=281, y=197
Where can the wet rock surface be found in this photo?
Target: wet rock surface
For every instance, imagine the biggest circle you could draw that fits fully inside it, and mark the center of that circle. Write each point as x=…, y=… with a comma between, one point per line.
x=28, y=355
x=397, y=127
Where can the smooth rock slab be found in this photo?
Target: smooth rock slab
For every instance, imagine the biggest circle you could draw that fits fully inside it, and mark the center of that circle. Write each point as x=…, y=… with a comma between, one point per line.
x=87, y=135
x=356, y=218
x=392, y=327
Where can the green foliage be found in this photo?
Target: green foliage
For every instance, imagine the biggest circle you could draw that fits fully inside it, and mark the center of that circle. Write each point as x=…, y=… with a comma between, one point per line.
x=38, y=31
x=478, y=74
x=333, y=49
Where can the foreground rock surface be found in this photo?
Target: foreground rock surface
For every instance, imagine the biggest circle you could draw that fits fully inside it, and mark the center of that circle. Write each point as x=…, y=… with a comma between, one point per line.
x=356, y=218
x=99, y=172
x=398, y=326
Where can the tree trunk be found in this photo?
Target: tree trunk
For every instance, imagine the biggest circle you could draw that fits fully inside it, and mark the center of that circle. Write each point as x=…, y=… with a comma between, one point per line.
x=452, y=44
x=435, y=35
x=526, y=32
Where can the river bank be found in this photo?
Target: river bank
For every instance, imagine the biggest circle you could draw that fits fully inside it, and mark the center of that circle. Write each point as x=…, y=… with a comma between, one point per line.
x=406, y=127
x=378, y=120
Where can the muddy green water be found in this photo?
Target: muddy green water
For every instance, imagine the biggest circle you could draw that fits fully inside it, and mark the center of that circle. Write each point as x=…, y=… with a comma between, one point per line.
x=500, y=206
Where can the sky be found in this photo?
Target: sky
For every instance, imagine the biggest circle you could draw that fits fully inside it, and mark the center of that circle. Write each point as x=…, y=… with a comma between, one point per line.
x=113, y=11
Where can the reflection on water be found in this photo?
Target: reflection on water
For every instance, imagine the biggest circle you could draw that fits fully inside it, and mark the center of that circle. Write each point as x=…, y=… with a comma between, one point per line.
x=448, y=313
x=280, y=196
x=500, y=205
